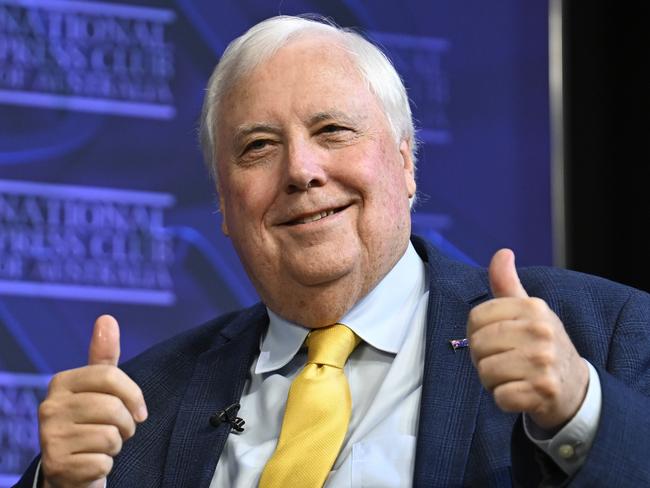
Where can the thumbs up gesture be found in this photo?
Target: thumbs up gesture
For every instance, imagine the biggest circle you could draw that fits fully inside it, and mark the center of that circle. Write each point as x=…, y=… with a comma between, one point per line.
x=522, y=353
x=88, y=413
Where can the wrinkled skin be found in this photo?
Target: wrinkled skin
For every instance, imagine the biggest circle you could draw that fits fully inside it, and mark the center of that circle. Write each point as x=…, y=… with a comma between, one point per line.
x=522, y=353
x=303, y=134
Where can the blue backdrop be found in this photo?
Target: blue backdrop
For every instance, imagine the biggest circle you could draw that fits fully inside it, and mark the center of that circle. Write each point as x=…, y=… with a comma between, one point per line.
x=105, y=206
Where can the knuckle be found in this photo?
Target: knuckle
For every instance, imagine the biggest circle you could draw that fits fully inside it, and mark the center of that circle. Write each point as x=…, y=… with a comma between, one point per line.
x=483, y=368
x=136, y=396
x=503, y=399
x=47, y=410
x=474, y=338
x=540, y=330
x=129, y=430
x=56, y=383
x=100, y=468
x=106, y=466
x=476, y=347
x=510, y=404
x=473, y=315
x=114, y=407
x=108, y=375
x=475, y=358
x=472, y=322
x=546, y=386
x=542, y=358
x=113, y=440
x=536, y=305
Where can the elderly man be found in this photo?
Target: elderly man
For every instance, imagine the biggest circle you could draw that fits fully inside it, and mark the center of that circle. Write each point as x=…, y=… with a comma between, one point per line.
x=345, y=375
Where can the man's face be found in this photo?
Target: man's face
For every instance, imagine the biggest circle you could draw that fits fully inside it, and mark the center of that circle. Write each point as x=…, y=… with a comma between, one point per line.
x=313, y=187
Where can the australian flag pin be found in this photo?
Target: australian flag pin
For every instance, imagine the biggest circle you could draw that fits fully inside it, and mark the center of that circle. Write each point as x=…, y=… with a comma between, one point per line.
x=459, y=343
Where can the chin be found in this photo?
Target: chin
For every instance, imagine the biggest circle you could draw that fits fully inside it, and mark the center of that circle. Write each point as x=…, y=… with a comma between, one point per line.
x=320, y=276
x=314, y=296
x=316, y=269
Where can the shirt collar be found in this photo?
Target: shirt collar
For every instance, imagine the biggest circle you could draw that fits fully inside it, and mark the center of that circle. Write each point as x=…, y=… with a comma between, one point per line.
x=381, y=318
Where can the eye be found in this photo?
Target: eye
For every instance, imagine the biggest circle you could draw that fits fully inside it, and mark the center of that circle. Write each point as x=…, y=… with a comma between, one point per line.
x=331, y=128
x=256, y=145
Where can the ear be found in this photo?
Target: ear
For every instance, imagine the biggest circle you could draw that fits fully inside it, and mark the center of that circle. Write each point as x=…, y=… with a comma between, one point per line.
x=223, y=211
x=409, y=166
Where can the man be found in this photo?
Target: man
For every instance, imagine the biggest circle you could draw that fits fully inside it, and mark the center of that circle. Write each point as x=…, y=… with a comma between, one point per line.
x=309, y=134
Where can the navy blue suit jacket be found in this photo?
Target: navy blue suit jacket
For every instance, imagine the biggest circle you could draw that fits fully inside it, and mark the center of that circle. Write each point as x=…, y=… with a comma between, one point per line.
x=463, y=438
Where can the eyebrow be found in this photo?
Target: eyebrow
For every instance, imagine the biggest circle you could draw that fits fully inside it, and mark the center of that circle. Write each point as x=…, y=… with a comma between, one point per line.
x=245, y=130
x=248, y=129
x=332, y=115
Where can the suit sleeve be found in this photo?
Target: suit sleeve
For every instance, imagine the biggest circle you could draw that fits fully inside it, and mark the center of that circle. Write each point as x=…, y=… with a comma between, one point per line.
x=620, y=452
x=28, y=479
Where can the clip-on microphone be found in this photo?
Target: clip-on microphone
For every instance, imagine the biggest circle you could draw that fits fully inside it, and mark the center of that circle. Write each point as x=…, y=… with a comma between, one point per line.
x=229, y=416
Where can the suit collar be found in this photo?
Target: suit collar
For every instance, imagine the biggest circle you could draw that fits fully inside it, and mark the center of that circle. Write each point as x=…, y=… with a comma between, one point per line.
x=466, y=282
x=242, y=323
x=451, y=388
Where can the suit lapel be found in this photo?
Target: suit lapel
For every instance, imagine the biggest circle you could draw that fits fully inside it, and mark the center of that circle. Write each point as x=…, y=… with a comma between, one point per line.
x=451, y=388
x=216, y=383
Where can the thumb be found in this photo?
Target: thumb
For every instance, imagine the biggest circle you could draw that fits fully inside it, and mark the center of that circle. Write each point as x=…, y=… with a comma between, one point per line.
x=105, y=342
x=504, y=280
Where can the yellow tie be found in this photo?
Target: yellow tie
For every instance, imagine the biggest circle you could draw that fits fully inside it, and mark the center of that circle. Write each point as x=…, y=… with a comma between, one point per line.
x=317, y=413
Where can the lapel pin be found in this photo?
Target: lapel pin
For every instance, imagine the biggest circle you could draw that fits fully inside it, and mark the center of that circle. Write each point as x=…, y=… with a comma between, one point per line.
x=458, y=343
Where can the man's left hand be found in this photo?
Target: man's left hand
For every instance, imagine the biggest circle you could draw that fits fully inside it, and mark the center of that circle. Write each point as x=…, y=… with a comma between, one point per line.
x=522, y=352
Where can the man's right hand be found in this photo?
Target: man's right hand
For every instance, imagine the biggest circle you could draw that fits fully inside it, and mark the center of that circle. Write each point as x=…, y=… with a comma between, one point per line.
x=87, y=415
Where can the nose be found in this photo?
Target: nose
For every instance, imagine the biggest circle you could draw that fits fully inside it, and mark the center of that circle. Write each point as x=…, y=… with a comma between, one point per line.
x=304, y=167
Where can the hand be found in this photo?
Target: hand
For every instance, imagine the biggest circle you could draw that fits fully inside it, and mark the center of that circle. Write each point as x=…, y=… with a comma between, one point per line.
x=522, y=352
x=88, y=413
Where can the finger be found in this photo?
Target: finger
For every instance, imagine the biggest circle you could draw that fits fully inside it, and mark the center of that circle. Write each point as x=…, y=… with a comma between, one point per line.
x=517, y=396
x=504, y=281
x=78, y=469
x=111, y=381
x=503, y=335
x=99, y=439
x=504, y=309
x=505, y=367
x=104, y=410
x=90, y=438
x=105, y=342
x=57, y=419
x=497, y=337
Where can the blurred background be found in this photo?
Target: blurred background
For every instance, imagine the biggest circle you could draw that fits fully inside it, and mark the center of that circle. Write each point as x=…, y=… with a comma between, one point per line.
x=523, y=112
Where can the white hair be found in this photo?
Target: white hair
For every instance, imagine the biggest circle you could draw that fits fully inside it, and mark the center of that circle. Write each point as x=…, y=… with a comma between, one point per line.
x=264, y=39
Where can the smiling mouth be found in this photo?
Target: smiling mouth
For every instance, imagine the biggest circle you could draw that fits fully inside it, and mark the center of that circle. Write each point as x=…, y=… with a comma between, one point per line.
x=306, y=219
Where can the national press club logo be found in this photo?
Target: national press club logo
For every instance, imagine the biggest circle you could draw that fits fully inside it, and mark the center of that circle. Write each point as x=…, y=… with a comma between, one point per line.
x=85, y=243
x=87, y=56
x=20, y=395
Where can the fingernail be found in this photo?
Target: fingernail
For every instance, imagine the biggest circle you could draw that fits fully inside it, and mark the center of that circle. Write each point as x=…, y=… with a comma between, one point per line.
x=142, y=414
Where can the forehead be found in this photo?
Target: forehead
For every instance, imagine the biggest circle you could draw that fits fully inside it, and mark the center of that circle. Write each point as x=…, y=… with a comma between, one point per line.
x=315, y=74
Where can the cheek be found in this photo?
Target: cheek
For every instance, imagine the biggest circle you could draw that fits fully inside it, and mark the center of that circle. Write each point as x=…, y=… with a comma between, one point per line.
x=247, y=201
x=383, y=178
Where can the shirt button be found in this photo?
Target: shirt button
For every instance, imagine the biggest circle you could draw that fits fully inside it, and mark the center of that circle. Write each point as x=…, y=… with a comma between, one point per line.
x=566, y=451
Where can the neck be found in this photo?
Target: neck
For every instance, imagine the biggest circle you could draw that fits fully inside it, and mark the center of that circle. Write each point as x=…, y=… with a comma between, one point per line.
x=325, y=304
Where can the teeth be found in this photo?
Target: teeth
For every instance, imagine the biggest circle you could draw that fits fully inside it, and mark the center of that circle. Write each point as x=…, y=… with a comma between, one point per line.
x=315, y=217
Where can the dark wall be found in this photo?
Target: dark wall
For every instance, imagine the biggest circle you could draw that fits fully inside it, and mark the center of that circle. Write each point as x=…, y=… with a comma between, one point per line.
x=607, y=95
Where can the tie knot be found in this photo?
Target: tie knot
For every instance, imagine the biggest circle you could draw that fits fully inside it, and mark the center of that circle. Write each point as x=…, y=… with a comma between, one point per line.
x=331, y=345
